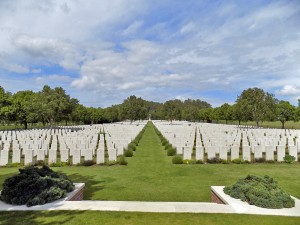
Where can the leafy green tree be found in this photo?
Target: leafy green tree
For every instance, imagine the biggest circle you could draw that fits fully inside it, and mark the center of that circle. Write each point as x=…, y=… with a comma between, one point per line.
x=22, y=107
x=55, y=105
x=226, y=112
x=5, y=103
x=256, y=104
x=172, y=110
x=207, y=114
x=133, y=108
x=285, y=112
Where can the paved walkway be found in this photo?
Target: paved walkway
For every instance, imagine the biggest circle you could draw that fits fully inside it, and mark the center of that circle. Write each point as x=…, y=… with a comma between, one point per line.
x=234, y=206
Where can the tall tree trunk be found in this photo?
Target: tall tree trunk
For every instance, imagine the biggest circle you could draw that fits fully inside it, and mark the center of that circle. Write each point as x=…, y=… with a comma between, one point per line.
x=257, y=123
x=282, y=124
x=239, y=122
x=25, y=125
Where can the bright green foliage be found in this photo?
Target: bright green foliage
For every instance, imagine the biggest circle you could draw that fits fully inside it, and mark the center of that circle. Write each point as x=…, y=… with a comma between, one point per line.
x=256, y=104
x=289, y=159
x=133, y=108
x=35, y=186
x=285, y=112
x=260, y=191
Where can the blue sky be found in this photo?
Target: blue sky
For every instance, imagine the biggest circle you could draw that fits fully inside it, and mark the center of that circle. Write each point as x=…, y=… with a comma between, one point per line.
x=103, y=51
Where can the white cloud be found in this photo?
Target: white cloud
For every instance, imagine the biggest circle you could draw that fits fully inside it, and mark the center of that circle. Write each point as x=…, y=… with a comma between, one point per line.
x=133, y=28
x=290, y=90
x=52, y=78
x=48, y=49
x=12, y=67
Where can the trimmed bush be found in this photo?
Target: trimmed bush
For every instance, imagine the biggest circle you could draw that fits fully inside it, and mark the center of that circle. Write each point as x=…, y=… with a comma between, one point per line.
x=35, y=186
x=131, y=146
x=128, y=153
x=260, y=191
x=171, y=152
x=88, y=163
x=177, y=159
x=213, y=160
x=259, y=160
x=237, y=161
x=289, y=159
x=122, y=161
x=199, y=162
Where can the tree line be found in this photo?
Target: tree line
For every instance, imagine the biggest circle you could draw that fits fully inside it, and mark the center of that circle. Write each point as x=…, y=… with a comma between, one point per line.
x=50, y=106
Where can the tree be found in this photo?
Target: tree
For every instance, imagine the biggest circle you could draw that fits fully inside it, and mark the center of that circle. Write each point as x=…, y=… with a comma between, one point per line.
x=172, y=110
x=5, y=103
x=207, y=114
x=55, y=105
x=256, y=104
x=22, y=104
x=133, y=108
x=285, y=112
x=226, y=112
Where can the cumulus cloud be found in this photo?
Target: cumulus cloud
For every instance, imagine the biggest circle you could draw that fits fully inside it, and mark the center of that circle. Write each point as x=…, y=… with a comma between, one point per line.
x=290, y=90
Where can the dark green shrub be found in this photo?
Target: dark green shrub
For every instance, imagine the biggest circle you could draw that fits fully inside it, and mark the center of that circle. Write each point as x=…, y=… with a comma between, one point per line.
x=236, y=161
x=171, y=152
x=35, y=186
x=259, y=160
x=289, y=159
x=122, y=161
x=213, y=160
x=128, y=153
x=164, y=142
x=260, y=191
x=132, y=147
x=88, y=163
x=199, y=162
x=224, y=161
x=177, y=159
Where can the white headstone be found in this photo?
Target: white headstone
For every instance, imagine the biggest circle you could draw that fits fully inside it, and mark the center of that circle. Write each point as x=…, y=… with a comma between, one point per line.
x=293, y=151
x=270, y=152
x=280, y=153
x=199, y=153
x=4, y=157
x=76, y=156
x=246, y=153
x=235, y=150
x=112, y=154
x=187, y=153
x=100, y=156
x=52, y=156
x=223, y=153
x=40, y=154
x=16, y=157
x=258, y=152
x=28, y=156
x=64, y=155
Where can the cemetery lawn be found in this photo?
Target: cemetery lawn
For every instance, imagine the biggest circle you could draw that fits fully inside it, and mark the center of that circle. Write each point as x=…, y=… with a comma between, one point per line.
x=151, y=176
x=117, y=218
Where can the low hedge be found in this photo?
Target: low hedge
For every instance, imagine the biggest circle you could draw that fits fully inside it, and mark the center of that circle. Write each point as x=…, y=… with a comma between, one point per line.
x=260, y=191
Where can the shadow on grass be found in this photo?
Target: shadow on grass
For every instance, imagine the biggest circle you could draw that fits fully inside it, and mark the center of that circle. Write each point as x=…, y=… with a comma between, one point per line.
x=91, y=184
x=37, y=217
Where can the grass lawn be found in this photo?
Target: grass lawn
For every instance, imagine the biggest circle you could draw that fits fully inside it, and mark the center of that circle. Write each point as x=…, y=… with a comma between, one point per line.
x=150, y=176
x=119, y=218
